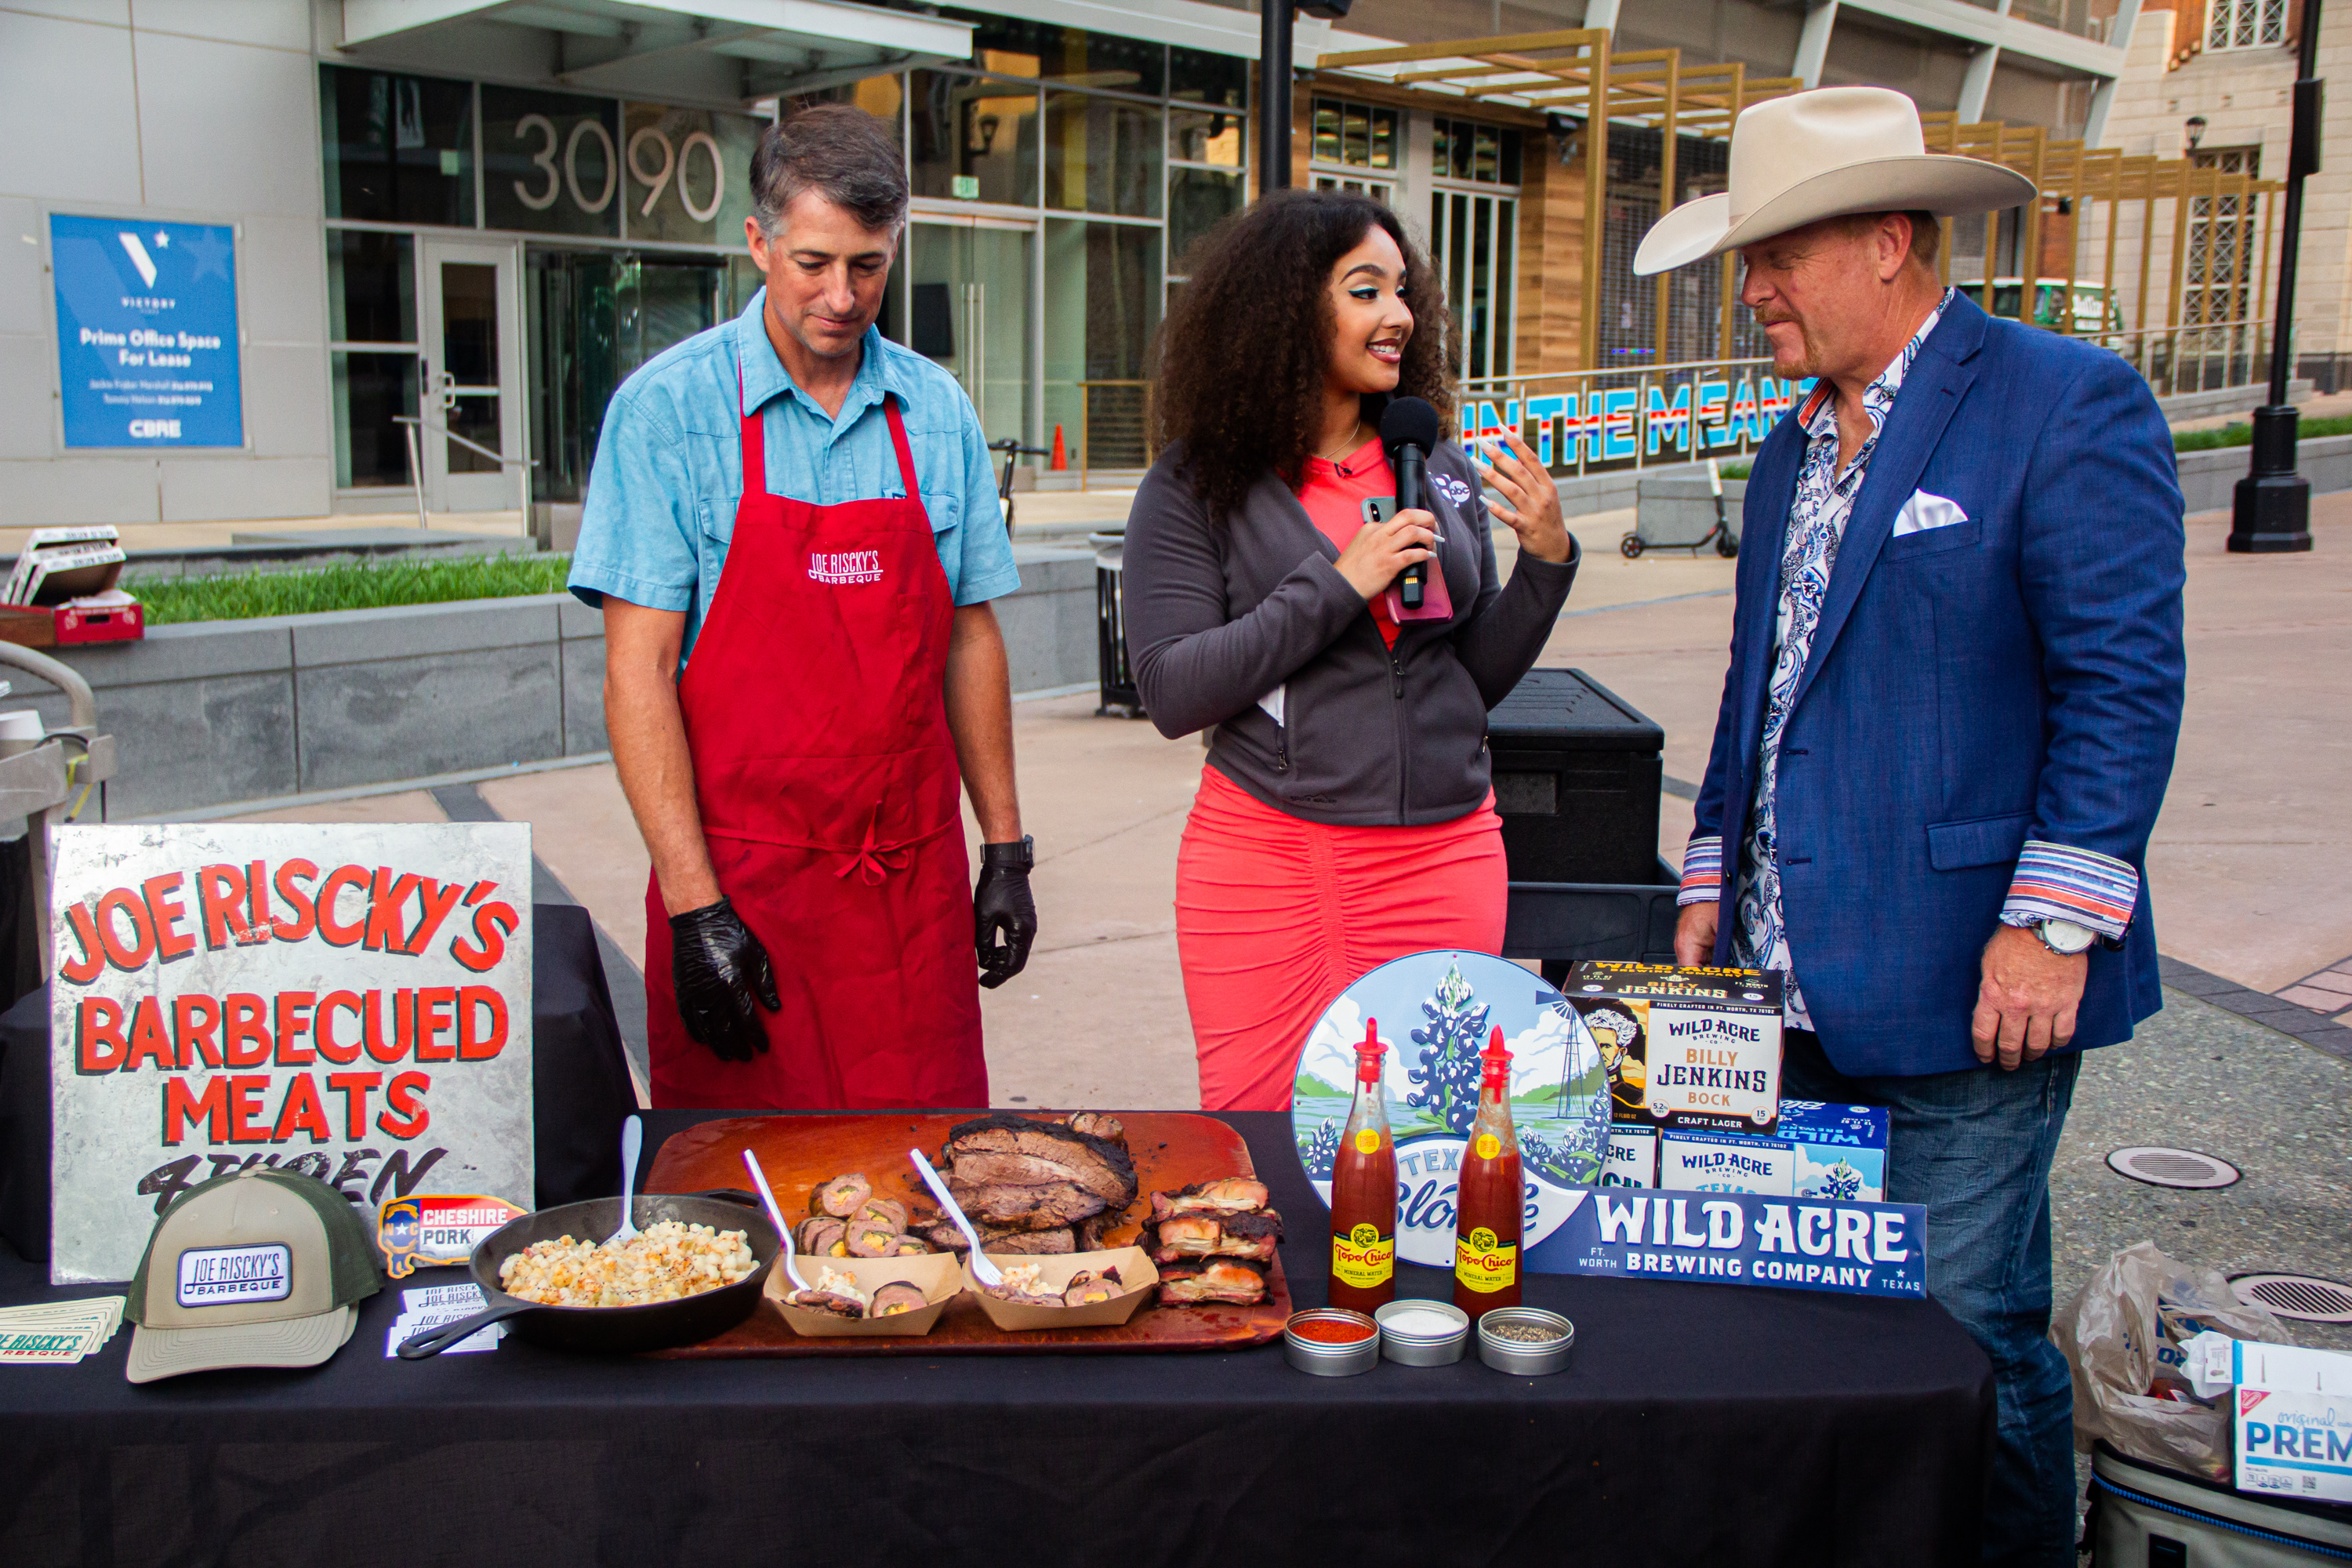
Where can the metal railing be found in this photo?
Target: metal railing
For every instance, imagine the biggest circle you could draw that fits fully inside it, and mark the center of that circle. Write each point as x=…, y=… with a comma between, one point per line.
x=2201, y=357
x=1622, y=420
x=1123, y=425
x=409, y=424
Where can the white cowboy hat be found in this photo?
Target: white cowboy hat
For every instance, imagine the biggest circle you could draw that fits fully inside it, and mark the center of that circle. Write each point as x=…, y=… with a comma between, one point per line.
x=1826, y=153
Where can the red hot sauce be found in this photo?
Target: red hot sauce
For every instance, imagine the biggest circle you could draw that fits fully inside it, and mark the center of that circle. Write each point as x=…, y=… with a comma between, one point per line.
x=1487, y=1204
x=1364, y=1191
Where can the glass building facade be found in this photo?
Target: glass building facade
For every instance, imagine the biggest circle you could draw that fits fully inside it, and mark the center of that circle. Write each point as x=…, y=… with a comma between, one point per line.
x=499, y=258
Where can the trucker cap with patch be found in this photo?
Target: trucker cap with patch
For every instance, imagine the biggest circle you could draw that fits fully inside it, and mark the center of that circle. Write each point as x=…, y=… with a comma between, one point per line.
x=258, y=1267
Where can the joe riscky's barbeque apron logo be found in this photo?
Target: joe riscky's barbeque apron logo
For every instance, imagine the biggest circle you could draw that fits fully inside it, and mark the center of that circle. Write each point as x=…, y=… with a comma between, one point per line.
x=844, y=566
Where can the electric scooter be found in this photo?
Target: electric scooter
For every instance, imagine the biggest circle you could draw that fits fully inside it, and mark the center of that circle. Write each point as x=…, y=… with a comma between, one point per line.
x=1014, y=451
x=1720, y=535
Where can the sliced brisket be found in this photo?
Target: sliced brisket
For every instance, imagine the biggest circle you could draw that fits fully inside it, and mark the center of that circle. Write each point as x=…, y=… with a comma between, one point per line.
x=1044, y=1152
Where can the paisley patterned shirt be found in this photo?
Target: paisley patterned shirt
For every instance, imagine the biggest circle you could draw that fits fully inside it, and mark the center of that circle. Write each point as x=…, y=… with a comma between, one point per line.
x=1816, y=523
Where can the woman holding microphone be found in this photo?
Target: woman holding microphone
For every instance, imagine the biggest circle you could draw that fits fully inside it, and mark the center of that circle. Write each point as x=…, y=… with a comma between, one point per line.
x=1345, y=815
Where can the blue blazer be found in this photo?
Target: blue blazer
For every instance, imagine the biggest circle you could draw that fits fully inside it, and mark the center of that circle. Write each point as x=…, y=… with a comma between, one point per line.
x=2014, y=675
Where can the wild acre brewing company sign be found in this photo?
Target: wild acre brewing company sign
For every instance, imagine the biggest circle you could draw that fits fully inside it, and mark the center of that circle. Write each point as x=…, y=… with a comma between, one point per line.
x=348, y=1000
x=147, y=345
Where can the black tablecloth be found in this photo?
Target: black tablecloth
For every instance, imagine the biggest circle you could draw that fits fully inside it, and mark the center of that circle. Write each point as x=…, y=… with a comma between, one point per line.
x=579, y=1084
x=1696, y=1423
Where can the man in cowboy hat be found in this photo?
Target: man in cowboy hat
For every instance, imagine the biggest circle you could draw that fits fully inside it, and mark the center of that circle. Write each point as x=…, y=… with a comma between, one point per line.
x=1955, y=687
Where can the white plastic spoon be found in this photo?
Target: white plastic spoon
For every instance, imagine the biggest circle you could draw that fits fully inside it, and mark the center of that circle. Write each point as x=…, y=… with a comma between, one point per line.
x=760, y=1183
x=985, y=1271
x=633, y=1136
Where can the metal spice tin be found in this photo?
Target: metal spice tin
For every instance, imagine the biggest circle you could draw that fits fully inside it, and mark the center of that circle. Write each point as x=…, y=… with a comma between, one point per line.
x=1520, y=1359
x=1409, y=1349
x=1323, y=1359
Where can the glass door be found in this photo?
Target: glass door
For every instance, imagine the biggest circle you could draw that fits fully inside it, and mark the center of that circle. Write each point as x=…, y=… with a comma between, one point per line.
x=968, y=311
x=470, y=358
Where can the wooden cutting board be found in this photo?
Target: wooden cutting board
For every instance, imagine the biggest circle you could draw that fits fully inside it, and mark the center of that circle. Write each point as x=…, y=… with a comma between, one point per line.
x=1171, y=1148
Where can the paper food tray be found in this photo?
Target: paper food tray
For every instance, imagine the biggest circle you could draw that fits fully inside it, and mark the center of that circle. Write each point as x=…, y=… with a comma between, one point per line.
x=935, y=1274
x=1135, y=1272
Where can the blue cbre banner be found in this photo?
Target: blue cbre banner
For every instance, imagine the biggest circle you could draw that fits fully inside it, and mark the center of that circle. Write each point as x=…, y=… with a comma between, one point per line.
x=1741, y=1238
x=147, y=345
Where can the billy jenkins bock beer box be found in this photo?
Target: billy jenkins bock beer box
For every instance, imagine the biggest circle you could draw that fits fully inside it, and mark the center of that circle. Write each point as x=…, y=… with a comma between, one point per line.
x=1691, y=1050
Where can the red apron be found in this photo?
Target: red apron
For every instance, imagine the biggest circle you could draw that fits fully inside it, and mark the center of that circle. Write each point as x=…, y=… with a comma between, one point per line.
x=816, y=716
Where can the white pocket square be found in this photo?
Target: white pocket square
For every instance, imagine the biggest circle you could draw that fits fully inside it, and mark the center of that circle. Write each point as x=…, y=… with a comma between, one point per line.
x=1924, y=511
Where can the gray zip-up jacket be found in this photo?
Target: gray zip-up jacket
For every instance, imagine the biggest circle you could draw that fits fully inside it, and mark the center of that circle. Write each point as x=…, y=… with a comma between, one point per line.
x=1229, y=621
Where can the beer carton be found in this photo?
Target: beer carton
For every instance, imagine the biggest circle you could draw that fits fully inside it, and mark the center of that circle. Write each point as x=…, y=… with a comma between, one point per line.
x=1841, y=1150
x=1727, y=1162
x=1691, y=1049
x=2293, y=1422
x=1633, y=1157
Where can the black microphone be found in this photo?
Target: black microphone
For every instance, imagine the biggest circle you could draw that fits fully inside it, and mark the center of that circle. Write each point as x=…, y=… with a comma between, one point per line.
x=1409, y=430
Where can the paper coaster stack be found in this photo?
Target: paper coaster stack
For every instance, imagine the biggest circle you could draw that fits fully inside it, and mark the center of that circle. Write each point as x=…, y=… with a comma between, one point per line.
x=57, y=1332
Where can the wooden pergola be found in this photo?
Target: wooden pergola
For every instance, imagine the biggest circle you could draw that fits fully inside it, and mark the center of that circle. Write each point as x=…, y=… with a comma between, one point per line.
x=1574, y=71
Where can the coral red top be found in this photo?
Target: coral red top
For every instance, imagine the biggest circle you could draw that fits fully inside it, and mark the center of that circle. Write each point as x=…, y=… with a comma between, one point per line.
x=1334, y=497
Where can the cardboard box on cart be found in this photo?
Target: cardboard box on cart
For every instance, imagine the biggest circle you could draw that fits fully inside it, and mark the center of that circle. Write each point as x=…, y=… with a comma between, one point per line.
x=1691, y=1050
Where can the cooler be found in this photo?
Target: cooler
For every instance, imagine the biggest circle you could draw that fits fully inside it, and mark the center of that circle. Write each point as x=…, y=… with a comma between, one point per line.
x=2143, y=1517
x=1577, y=775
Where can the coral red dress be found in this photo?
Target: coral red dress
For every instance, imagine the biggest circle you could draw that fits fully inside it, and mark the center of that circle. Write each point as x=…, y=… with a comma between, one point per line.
x=1277, y=915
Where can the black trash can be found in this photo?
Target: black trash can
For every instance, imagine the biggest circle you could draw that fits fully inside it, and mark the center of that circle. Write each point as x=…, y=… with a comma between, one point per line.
x=1577, y=774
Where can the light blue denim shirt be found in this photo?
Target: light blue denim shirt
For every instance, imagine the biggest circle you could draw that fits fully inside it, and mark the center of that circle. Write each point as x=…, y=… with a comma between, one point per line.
x=669, y=467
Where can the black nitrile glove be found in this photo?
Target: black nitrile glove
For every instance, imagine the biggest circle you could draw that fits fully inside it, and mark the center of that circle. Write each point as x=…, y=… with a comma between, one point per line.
x=1003, y=915
x=717, y=969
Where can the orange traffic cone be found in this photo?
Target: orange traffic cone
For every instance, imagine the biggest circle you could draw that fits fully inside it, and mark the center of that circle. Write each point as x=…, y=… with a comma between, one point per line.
x=1061, y=454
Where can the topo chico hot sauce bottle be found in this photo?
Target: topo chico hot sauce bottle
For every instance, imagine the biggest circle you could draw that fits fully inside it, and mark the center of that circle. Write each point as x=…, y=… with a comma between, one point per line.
x=1364, y=1191
x=1487, y=1203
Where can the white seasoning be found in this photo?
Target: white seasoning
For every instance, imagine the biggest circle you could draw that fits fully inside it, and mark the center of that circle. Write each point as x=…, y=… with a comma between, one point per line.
x=1420, y=1323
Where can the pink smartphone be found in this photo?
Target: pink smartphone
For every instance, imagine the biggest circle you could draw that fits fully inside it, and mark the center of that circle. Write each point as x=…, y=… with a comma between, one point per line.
x=1436, y=603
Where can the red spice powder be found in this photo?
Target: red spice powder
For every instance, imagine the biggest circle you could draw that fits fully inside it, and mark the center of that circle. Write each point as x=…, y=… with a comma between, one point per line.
x=1332, y=1330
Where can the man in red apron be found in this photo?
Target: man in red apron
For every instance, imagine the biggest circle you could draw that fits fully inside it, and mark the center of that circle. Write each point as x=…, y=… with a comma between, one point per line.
x=805, y=512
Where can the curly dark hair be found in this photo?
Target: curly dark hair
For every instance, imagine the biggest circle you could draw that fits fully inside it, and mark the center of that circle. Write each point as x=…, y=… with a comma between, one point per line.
x=1239, y=364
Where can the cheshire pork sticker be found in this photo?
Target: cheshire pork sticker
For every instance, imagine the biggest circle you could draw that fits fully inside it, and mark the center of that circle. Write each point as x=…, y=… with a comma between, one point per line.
x=434, y=1228
x=1434, y=1011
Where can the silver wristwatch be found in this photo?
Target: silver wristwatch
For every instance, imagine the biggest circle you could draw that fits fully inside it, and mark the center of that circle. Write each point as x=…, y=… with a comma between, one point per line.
x=2064, y=938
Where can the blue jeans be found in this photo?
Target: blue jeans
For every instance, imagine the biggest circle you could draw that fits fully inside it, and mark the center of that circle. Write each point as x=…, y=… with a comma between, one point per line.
x=1975, y=1148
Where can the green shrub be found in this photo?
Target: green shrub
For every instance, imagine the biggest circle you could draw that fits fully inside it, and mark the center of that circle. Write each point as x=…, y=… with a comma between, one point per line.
x=1737, y=471
x=364, y=586
x=2242, y=434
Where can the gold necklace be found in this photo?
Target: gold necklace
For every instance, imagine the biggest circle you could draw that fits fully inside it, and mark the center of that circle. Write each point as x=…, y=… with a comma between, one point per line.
x=1348, y=445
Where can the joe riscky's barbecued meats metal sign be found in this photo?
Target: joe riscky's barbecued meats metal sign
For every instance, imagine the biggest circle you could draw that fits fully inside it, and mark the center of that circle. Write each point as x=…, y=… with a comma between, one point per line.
x=352, y=1000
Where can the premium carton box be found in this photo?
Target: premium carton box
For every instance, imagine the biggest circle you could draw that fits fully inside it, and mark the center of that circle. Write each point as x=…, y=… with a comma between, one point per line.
x=2293, y=1421
x=1690, y=1050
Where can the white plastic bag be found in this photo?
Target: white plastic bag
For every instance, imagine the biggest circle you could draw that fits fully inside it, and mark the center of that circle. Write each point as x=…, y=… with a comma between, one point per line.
x=2123, y=1337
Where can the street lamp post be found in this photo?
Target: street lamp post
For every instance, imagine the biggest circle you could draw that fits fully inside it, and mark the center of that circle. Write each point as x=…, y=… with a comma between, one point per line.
x=1275, y=20
x=2272, y=508
x=1274, y=25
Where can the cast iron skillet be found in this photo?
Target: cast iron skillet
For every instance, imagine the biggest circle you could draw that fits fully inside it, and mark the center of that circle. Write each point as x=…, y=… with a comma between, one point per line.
x=683, y=1321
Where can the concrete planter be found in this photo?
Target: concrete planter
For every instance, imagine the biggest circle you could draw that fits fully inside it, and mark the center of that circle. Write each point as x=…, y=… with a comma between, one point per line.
x=219, y=711
x=2208, y=479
